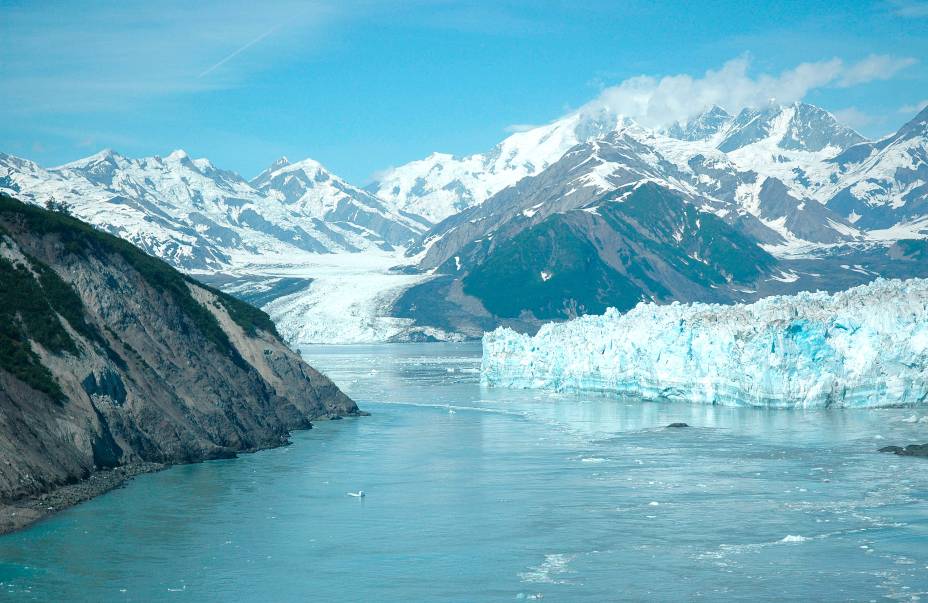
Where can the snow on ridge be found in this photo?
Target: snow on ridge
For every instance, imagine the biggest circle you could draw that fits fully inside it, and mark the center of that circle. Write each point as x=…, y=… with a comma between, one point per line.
x=194, y=215
x=863, y=347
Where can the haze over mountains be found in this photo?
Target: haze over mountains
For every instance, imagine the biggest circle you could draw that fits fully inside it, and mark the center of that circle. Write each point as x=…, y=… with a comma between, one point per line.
x=589, y=211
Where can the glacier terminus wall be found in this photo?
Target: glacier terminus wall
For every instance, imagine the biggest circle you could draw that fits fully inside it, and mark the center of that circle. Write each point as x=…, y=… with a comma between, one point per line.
x=864, y=347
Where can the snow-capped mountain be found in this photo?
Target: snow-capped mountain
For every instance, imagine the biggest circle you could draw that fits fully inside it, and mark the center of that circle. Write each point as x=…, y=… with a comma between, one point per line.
x=776, y=140
x=761, y=206
x=795, y=127
x=555, y=221
x=704, y=126
x=884, y=184
x=197, y=216
x=307, y=189
x=442, y=185
x=774, y=185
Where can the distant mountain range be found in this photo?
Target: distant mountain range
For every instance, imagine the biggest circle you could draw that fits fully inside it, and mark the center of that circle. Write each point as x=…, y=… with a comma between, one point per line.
x=787, y=199
x=197, y=216
x=563, y=219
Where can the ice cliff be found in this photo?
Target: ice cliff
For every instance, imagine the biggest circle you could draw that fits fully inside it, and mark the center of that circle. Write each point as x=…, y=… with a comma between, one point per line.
x=864, y=347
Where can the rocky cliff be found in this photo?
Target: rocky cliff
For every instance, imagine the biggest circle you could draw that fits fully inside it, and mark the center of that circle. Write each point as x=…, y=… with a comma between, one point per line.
x=109, y=358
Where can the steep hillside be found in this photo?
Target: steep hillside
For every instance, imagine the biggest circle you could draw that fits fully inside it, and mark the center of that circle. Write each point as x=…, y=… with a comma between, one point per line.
x=639, y=242
x=647, y=244
x=110, y=358
x=884, y=184
x=761, y=207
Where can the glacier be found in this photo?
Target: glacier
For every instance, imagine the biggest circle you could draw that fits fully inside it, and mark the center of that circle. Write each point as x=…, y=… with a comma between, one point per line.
x=863, y=347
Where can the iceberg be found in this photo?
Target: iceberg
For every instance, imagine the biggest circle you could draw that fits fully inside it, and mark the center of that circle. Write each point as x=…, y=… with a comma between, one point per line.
x=863, y=347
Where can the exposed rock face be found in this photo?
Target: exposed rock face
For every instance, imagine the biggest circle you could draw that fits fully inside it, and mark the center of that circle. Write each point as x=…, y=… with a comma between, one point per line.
x=910, y=450
x=110, y=358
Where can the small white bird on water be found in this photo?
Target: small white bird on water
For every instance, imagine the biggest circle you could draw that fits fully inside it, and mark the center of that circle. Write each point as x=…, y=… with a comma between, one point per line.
x=358, y=494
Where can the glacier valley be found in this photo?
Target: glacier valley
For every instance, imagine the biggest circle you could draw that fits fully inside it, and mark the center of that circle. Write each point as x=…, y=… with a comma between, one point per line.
x=863, y=347
x=587, y=212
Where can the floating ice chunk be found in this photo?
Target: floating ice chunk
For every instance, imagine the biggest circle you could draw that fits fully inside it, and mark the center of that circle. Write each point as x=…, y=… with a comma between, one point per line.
x=864, y=347
x=793, y=538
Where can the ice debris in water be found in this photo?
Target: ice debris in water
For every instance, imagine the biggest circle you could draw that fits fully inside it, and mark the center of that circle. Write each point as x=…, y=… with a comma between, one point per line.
x=864, y=347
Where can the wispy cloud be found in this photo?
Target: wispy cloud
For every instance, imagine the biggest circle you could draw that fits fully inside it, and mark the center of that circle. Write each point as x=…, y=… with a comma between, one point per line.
x=873, y=68
x=853, y=117
x=910, y=8
x=914, y=107
x=112, y=56
x=659, y=101
x=514, y=128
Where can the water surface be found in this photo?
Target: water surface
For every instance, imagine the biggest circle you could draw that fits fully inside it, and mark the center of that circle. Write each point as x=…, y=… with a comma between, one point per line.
x=498, y=495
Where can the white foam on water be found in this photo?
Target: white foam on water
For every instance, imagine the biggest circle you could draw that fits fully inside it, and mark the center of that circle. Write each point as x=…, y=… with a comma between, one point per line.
x=548, y=572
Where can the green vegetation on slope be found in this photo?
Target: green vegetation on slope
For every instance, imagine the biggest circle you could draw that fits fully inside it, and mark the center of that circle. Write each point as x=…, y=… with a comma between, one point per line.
x=28, y=312
x=82, y=239
x=552, y=272
x=250, y=318
x=650, y=245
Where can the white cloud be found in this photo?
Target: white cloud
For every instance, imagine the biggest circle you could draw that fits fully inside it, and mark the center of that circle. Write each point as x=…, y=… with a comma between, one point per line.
x=874, y=67
x=660, y=101
x=853, y=117
x=514, y=128
x=913, y=108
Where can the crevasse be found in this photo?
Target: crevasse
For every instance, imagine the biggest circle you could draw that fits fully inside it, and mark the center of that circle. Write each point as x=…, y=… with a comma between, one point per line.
x=864, y=347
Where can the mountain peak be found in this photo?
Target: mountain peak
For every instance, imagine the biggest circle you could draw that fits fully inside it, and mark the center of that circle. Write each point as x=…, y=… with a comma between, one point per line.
x=103, y=156
x=716, y=110
x=797, y=126
x=701, y=127
x=917, y=126
x=178, y=155
x=307, y=164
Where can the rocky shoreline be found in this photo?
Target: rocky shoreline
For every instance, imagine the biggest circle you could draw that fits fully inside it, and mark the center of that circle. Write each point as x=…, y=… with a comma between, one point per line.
x=113, y=359
x=22, y=513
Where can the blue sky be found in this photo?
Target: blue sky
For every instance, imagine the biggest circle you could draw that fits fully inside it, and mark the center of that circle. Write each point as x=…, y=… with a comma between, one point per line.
x=364, y=84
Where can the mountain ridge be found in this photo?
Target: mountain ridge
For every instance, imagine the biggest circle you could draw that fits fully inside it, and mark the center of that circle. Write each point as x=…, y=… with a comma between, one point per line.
x=198, y=217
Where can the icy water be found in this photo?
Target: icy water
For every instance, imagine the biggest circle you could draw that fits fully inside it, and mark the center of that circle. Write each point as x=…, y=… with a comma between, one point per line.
x=495, y=495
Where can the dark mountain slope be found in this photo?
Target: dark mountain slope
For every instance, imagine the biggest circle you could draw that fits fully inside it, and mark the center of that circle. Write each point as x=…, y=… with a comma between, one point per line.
x=641, y=242
x=650, y=245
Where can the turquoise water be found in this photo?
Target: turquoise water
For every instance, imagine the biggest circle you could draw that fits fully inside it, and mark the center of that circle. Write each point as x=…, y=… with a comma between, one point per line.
x=514, y=495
